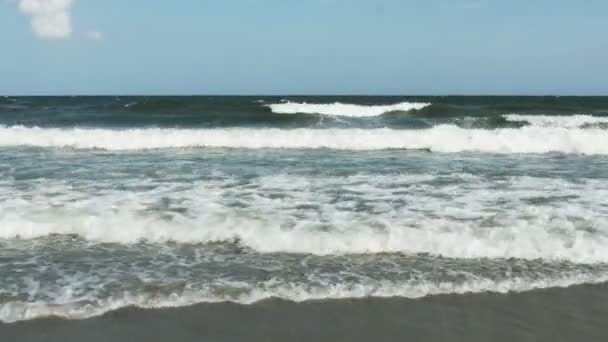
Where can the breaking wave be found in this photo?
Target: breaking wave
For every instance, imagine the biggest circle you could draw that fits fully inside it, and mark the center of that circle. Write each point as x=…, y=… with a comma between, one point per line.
x=566, y=229
x=442, y=138
x=344, y=109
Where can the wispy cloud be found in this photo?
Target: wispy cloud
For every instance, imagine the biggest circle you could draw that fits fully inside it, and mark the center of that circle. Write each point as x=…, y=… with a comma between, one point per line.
x=95, y=35
x=50, y=18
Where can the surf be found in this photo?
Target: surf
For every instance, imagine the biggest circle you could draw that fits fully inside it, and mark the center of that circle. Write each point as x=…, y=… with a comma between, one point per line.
x=440, y=138
x=344, y=109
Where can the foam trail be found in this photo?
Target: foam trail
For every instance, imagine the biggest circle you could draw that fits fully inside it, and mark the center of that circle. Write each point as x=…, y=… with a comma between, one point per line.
x=20, y=311
x=343, y=109
x=443, y=138
x=570, y=121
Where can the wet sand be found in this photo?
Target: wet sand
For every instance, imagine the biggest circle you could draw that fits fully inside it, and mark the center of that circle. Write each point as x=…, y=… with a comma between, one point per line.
x=578, y=313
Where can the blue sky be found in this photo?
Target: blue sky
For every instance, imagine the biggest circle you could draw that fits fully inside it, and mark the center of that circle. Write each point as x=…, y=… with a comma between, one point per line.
x=306, y=47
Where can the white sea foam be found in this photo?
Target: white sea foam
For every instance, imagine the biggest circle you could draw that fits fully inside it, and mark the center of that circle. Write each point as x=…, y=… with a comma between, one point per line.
x=443, y=138
x=64, y=307
x=455, y=215
x=304, y=215
x=569, y=121
x=343, y=109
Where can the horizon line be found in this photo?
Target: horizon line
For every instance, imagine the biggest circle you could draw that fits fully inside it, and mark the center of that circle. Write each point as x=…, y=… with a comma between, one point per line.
x=300, y=95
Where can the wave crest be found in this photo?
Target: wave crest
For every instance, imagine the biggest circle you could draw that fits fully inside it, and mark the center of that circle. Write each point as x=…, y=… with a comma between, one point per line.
x=442, y=138
x=343, y=109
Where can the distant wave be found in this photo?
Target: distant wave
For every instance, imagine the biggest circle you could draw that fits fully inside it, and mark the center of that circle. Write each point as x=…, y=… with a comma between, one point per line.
x=343, y=109
x=442, y=138
x=569, y=121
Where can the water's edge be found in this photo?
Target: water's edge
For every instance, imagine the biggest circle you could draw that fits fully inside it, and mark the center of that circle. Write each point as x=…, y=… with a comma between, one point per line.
x=558, y=314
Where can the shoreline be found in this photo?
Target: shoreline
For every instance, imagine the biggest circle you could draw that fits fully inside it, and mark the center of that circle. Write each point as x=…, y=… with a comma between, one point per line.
x=556, y=314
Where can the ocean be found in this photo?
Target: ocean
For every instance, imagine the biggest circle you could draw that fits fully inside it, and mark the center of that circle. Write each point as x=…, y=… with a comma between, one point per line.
x=299, y=218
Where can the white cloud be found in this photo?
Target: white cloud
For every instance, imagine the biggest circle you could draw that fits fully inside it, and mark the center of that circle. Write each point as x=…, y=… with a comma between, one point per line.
x=95, y=35
x=50, y=18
